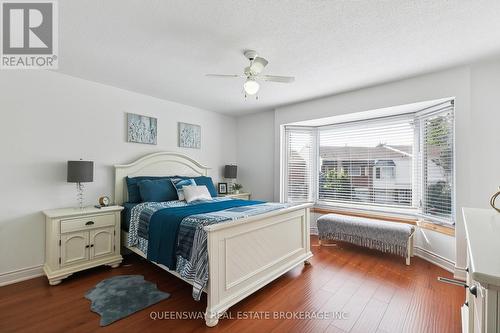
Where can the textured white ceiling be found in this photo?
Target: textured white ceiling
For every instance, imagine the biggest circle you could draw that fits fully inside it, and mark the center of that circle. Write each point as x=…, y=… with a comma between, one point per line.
x=164, y=48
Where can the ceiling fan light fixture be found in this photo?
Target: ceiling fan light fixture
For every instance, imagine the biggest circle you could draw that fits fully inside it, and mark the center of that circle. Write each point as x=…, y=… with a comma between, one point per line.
x=251, y=87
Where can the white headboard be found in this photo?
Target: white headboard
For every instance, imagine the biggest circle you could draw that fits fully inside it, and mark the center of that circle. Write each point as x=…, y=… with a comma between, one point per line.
x=157, y=164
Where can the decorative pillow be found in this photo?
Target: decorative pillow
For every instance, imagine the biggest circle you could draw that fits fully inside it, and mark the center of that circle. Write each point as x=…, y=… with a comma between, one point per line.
x=158, y=190
x=134, y=195
x=204, y=180
x=207, y=181
x=195, y=193
x=179, y=183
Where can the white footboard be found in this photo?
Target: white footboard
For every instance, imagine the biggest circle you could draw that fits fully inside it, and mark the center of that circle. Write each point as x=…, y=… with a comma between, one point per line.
x=246, y=255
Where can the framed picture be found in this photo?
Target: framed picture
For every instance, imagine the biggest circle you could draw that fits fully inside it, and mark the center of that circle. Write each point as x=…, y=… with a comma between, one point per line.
x=222, y=187
x=141, y=129
x=189, y=136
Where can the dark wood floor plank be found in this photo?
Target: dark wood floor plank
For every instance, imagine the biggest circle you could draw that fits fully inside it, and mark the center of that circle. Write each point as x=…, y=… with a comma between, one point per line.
x=380, y=292
x=357, y=304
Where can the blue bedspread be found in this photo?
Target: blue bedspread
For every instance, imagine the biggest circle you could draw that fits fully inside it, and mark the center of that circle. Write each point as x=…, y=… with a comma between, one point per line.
x=179, y=232
x=164, y=227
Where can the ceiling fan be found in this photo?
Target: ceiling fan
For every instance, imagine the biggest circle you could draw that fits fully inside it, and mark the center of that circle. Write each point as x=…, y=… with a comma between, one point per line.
x=252, y=74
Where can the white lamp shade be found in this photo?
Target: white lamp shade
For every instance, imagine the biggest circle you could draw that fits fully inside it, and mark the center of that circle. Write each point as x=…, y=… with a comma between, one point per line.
x=251, y=87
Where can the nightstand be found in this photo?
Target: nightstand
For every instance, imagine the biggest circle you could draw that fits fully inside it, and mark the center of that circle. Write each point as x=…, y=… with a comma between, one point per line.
x=77, y=239
x=242, y=195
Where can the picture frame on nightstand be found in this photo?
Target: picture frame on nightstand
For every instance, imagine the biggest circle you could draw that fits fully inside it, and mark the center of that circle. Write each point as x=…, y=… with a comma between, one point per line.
x=222, y=188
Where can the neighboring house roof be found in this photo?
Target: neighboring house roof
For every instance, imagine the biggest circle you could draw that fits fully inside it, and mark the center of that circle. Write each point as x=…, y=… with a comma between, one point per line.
x=380, y=152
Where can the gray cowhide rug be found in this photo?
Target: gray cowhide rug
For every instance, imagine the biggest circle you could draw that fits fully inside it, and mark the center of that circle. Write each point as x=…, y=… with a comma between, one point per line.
x=122, y=295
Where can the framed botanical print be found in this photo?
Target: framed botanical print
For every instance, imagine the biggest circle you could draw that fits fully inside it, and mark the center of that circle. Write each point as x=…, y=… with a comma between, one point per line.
x=141, y=129
x=189, y=136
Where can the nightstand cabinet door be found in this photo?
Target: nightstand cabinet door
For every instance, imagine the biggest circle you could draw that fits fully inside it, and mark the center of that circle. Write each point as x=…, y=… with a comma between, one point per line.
x=74, y=248
x=102, y=242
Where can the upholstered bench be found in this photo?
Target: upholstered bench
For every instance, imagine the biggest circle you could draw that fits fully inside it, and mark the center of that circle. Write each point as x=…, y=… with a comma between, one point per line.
x=389, y=237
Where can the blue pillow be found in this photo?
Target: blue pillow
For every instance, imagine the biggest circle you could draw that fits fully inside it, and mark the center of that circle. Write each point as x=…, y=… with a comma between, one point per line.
x=158, y=190
x=203, y=180
x=134, y=195
x=179, y=183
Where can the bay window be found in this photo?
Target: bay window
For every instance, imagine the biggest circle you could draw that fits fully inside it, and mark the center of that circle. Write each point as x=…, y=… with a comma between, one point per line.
x=400, y=163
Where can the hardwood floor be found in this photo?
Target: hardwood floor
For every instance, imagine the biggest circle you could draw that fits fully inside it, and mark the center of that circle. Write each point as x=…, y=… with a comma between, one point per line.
x=377, y=292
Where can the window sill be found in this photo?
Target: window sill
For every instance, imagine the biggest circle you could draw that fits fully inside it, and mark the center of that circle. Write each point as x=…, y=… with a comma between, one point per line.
x=449, y=231
x=402, y=212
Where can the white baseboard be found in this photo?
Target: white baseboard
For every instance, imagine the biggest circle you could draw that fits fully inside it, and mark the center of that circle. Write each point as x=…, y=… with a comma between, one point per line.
x=435, y=259
x=20, y=275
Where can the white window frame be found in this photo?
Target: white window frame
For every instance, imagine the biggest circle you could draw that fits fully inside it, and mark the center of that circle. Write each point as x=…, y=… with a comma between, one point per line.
x=357, y=174
x=284, y=162
x=417, y=183
x=421, y=116
x=393, y=173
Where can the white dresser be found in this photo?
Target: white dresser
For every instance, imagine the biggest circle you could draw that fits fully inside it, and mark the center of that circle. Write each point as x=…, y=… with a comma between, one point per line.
x=481, y=312
x=77, y=239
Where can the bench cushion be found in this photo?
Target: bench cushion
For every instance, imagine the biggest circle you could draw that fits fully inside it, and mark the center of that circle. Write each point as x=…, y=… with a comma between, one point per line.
x=375, y=234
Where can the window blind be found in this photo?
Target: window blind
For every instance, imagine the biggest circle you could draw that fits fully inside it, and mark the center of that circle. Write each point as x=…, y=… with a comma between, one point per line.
x=367, y=162
x=437, y=163
x=299, y=164
x=395, y=164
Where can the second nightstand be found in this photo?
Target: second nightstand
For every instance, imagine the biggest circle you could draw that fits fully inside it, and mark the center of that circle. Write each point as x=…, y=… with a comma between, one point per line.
x=242, y=195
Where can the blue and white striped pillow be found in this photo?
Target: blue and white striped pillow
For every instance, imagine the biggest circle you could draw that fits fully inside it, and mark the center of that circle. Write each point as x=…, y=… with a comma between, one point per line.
x=179, y=183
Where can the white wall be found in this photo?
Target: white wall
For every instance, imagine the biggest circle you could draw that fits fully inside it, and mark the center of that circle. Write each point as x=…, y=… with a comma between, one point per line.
x=255, y=154
x=48, y=118
x=483, y=133
x=477, y=129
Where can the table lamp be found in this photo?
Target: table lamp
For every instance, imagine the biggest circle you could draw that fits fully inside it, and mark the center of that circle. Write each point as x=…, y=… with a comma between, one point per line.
x=80, y=172
x=230, y=172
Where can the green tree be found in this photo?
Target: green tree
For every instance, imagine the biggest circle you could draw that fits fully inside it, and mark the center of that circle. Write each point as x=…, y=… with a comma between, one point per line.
x=438, y=138
x=337, y=181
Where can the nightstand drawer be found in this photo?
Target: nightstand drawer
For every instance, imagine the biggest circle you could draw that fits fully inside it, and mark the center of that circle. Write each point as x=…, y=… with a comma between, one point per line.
x=89, y=222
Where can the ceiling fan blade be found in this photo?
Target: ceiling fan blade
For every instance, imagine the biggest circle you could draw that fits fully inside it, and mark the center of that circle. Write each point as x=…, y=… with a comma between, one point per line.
x=258, y=65
x=275, y=78
x=224, y=75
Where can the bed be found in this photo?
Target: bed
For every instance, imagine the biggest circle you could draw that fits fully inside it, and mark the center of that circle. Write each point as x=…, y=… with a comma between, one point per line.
x=243, y=254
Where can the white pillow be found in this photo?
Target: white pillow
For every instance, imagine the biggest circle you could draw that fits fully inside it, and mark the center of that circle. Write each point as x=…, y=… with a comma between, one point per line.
x=194, y=193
